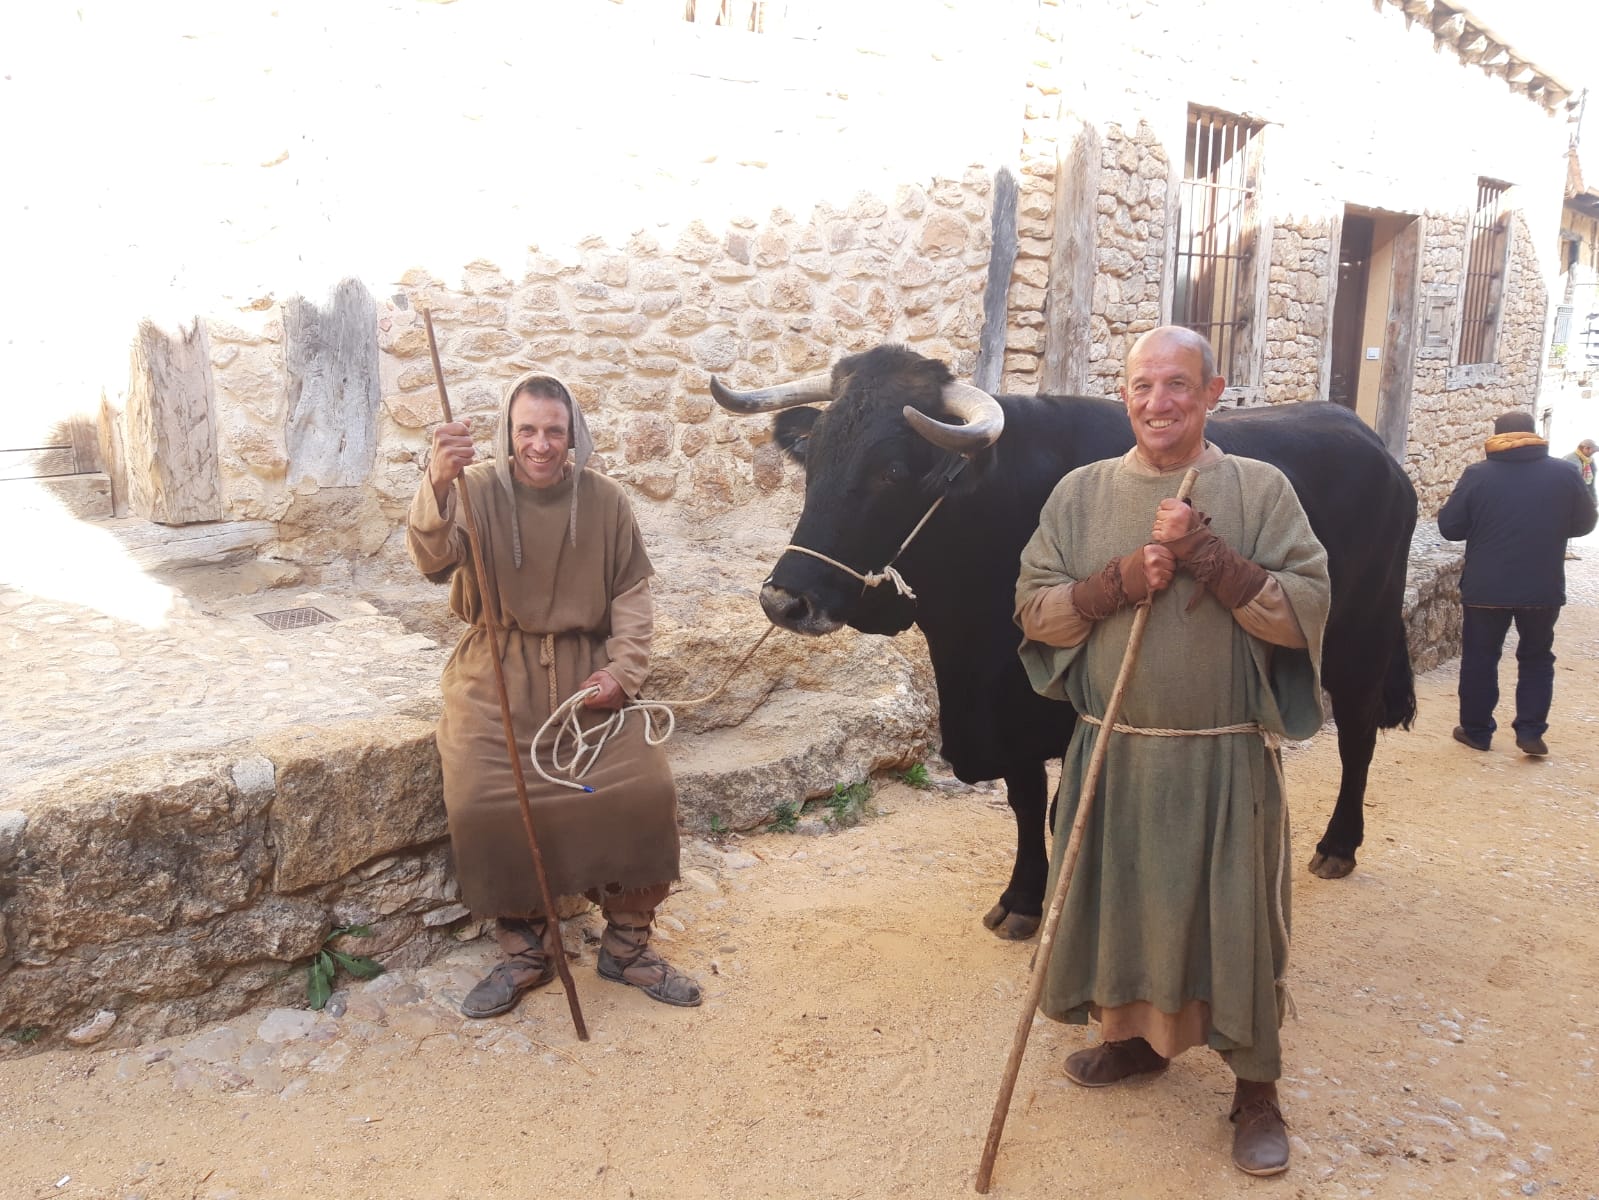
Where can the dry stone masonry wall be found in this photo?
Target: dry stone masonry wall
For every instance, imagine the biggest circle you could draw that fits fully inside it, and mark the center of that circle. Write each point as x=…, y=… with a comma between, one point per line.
x=1302, y=258
x=1453, y=407
x=637, y=332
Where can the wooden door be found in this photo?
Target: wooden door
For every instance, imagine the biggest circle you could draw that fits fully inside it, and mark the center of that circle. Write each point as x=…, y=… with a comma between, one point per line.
x=1349, y=309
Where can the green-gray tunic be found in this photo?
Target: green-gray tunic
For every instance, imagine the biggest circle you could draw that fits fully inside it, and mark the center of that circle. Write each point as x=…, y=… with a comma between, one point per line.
x=1181, y=890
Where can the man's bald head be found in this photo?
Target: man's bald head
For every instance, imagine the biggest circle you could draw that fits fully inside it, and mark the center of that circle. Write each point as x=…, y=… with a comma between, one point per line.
x=1171, y=385
x=1177, y=336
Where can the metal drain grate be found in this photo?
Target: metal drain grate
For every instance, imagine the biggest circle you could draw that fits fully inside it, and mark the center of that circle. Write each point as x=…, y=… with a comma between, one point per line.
x=295, y=618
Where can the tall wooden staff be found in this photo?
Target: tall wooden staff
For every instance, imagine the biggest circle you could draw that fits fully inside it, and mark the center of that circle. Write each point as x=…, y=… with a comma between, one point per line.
x=489, y=620
x=1057, y=902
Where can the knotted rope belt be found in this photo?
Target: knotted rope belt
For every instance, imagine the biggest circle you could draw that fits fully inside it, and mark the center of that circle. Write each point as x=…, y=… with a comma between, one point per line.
x=1273, y=744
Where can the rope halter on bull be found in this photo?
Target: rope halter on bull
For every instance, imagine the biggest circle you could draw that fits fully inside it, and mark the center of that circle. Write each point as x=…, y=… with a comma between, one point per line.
x=888, y=574
x=982, y=421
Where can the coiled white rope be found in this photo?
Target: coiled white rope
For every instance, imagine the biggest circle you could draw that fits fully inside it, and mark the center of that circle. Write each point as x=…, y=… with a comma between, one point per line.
x=586, y=744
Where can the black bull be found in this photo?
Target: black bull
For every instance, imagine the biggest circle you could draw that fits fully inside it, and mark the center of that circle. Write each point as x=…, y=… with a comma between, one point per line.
x=869, y=478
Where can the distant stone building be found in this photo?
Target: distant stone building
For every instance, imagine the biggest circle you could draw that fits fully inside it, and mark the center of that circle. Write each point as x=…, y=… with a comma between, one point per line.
x=1568, y=405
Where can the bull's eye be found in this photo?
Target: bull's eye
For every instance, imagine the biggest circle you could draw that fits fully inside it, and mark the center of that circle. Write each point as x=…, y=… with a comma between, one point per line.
x=892, y=474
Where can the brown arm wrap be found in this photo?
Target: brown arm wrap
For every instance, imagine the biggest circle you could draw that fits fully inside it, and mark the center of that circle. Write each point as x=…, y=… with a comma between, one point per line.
x=1227, y=574
x=1117, y=585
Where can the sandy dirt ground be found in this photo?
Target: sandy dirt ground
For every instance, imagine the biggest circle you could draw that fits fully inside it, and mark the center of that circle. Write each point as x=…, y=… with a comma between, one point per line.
x=858, y=1017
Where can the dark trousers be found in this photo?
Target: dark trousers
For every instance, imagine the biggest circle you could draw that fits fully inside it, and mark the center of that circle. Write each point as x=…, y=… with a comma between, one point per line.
x=1482, y=640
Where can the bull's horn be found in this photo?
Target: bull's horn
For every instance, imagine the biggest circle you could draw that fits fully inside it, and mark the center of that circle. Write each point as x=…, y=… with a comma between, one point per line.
x=813, y=389
x=984, y=420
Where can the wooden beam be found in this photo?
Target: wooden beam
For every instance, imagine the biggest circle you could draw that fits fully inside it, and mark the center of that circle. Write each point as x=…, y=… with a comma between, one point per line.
x=1417, y=9
x=85, y=443
x=35, y=464
x=1471, y=45
x=1447, y=26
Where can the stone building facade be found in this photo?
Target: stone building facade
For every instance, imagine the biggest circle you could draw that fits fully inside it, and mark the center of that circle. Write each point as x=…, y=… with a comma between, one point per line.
x=1397, y=123
x=1059, y=238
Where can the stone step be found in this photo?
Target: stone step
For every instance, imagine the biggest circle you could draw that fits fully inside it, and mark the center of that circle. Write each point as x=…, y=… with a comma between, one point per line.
x=151, y=546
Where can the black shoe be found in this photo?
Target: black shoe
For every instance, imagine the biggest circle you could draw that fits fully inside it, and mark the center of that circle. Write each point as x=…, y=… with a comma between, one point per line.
x=1531, y=745
x=1465, y=739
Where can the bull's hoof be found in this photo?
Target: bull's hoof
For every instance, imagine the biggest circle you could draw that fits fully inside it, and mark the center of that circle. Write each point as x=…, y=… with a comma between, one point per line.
x=1331, y=866
x=1009, y=926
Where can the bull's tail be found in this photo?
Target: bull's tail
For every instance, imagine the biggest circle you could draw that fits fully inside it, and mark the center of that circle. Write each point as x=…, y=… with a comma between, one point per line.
x=1398, y=684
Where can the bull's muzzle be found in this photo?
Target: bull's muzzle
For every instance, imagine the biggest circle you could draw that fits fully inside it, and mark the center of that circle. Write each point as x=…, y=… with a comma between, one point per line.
x=795, y=612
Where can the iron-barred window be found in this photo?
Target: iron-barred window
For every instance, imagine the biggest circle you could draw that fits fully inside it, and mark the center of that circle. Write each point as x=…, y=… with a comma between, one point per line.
x=1218, y=238
x=1486, y=260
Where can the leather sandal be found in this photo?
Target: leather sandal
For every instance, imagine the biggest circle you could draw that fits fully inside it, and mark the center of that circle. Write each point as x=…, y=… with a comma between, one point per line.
x=626, y=956
x=1260, y=1136
x=525, y=964
x=499, y=990
x=1112, y=1062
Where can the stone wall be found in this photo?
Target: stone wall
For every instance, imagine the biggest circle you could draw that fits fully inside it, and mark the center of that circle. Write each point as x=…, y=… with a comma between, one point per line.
x=1453, y=407
x=1432, y=597
x=637, y=331
x=1380, y=150
x=187, y=885
x=1303, y=265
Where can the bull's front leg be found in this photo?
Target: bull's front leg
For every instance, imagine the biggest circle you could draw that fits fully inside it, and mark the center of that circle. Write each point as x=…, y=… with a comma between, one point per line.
x=1021, y=905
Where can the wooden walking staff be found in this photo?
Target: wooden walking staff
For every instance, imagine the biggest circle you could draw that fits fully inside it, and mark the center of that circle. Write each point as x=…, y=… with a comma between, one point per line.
x=489, y=618
x=1057, y=902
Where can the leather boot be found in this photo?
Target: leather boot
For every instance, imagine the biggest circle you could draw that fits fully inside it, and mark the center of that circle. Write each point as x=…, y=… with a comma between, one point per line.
x=1112, y=1062
x=1260, y=1135
x=525, y=964
x=627, y=957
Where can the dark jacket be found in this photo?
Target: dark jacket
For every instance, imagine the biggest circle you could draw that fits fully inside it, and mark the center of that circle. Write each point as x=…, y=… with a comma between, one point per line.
x=1515, y=510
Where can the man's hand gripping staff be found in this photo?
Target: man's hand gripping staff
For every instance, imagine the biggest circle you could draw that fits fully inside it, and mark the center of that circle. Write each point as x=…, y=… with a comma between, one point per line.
x=1182, y=537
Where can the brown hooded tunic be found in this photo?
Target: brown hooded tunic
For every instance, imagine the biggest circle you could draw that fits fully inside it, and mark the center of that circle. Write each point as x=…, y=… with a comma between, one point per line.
x=581, y=589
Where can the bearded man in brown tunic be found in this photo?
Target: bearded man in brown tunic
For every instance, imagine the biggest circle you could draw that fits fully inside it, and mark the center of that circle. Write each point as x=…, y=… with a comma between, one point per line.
x=570, y=599
x=1175, y=930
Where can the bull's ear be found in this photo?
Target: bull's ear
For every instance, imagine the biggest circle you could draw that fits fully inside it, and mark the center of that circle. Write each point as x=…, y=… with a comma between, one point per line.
x=792, y=428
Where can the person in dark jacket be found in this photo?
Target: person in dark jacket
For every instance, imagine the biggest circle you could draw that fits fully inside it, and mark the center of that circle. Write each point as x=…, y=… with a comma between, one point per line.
x=1514, y=511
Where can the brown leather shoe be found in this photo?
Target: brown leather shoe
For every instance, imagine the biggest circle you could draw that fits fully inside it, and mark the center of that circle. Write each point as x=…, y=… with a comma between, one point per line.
x=1260, y=1135
x=1112, y=1062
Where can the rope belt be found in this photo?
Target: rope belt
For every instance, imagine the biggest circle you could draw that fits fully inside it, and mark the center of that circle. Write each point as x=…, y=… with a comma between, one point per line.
x=1273, y=743
x=547, y=661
